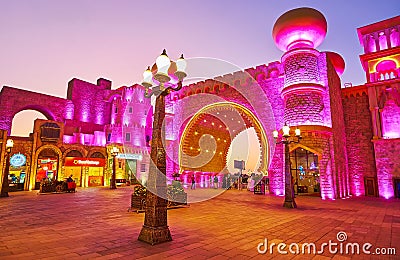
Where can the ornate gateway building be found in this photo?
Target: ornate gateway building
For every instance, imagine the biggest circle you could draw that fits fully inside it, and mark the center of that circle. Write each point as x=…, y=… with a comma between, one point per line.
x=350, y=136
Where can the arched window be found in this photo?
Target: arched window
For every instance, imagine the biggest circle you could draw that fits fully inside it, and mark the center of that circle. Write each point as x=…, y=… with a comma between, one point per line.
x=371, y=43
x=97, y=155
x=74, y=153
x=386, y=69
x=390, y=119
x=394, y=38
x=383, y=41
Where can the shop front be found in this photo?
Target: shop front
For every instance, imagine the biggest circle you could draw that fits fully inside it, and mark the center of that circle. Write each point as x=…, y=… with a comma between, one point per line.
x=129, y=163
x=72, y=170
x=17, y=173
x=46, y=170
x=87, y=172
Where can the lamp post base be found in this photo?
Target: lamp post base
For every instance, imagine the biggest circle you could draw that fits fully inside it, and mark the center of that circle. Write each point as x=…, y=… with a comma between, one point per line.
x=290, y=204
x=154, y=235
x=4, y=194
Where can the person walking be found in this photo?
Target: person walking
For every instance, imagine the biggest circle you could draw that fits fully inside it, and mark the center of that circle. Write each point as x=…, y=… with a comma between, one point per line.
x=215, y=182
x=193, y=187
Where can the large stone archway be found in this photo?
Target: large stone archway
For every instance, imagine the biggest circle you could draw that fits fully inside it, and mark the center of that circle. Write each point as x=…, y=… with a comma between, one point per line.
x=205, y=140
x=13, y=101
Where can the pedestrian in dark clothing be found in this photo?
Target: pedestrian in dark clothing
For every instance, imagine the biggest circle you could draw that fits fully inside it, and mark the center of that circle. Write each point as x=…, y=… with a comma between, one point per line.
x=193, y=187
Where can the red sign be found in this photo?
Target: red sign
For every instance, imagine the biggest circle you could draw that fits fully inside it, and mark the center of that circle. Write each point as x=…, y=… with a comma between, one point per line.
x=76, y=161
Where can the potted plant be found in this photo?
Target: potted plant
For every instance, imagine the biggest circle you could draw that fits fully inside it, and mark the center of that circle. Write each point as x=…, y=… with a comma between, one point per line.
x=138, y=199
x=176, y=194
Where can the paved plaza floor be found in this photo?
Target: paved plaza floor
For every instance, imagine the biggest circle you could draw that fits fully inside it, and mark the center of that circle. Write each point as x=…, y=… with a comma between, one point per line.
x=96, y=223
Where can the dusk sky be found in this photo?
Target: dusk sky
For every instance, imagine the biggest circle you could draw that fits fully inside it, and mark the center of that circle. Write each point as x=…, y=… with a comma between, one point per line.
x=44, y=44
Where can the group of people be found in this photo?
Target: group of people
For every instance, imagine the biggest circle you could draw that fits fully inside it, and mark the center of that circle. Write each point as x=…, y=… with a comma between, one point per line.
x=212, y=180
x=228, y=180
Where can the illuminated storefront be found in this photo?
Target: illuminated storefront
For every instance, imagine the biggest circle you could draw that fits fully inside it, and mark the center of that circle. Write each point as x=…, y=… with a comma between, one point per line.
x=46, y=169
x=87, y=172
x=130, y=170
x=17, y=174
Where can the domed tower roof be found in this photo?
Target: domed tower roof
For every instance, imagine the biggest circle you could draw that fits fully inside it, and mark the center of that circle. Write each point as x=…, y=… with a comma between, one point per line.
x=299, y=28
x=337, y=61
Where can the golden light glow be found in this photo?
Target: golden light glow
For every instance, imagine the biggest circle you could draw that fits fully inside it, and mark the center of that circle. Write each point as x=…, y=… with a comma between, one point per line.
x=394, y=58
x=275, y=133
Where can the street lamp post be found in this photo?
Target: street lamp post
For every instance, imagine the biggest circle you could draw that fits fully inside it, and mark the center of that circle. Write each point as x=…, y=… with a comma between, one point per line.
x=114, y=153
x=286, y=140
x=155, y=229
x=4, y=186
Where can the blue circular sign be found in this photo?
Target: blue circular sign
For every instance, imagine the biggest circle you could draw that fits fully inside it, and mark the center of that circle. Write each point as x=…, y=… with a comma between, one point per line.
x=18, y=160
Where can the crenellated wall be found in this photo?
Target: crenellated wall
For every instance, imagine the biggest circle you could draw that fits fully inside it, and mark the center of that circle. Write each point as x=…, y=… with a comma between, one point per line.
x=89, y=102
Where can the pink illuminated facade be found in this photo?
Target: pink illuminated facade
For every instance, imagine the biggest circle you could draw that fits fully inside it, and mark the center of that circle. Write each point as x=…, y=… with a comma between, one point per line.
x=351, y=135
x=84, y=126
x=350, y=142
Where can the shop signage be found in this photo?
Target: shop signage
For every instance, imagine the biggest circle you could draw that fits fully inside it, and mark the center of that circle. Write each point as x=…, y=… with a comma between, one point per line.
x=17, y=160
x=239, y=165
x=76, y=161
x=130, y=156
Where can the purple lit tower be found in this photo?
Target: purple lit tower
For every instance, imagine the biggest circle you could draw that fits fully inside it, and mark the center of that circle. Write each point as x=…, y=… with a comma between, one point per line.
x=312, y=97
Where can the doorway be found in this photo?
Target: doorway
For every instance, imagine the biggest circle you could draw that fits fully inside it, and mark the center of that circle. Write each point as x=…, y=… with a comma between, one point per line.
x=370, y=186
x=396, y=187
x=305, y=172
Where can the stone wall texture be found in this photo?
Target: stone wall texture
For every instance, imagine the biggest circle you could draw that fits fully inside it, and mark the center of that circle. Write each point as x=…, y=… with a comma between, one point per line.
x=387, y=153
x=360, y=150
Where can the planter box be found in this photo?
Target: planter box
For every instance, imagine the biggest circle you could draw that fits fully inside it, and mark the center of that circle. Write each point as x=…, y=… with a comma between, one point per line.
x=139, y=202
x=178, y=199
x=46, y=188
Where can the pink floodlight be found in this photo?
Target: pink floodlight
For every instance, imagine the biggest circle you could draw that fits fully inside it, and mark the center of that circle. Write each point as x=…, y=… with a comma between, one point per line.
x=299, y=28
